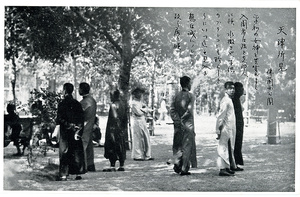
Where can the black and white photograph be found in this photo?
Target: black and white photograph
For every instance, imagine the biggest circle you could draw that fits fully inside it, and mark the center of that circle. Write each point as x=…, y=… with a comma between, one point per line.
x=120, y=98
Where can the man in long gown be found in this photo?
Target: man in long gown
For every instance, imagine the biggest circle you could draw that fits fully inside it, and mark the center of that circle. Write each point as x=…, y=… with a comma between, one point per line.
x=70, y=119
x=114, y=146
x=182, y=114
x=239, y=91
x=225, y=129
x=89, y=107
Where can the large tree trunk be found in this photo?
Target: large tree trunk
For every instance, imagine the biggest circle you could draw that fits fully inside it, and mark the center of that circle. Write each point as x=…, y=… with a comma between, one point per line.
x=13, y=81
x=124, y=77
x=124, y=87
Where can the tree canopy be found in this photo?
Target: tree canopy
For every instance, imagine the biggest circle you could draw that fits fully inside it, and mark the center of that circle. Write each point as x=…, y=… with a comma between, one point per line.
x=118, y=44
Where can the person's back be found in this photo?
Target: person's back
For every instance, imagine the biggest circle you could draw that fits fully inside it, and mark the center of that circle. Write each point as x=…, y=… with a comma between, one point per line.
x=70, y=119
x=70, y=111
x=182, y=101
x=181, y=111
x=114, y=147
x=89, y=107
x=89, y=104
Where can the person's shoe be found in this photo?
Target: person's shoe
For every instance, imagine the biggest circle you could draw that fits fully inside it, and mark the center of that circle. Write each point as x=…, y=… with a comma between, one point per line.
x=121, y=169
x=78, y=178
x=223, y=172
x=149, y=159
x=62, y=178
x=177, y=169
x=229, y=171
x=17, y=154
x=138, y=159
x=169, y=161
x=109, y=170
x=237, y=169
x=184, y=173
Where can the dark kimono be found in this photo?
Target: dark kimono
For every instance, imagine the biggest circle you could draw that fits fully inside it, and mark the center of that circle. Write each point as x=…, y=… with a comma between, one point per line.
x=71, y=155
x=239, y=130
x=184, y=145
x=114, y=146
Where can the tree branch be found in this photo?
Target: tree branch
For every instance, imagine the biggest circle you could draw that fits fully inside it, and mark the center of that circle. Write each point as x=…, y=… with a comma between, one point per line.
x=104, y=32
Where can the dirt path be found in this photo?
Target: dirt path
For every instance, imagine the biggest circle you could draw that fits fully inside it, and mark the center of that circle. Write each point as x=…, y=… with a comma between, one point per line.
x=268, y=168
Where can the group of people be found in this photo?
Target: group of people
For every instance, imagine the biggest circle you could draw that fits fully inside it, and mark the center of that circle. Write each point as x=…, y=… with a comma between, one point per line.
x=229, y=129
x=76, y=121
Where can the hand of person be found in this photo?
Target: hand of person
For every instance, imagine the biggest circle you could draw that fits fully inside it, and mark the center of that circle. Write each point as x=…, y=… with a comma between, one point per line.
x=94, y=126
x=144, y=109
x=71, y=126
x=76, y=136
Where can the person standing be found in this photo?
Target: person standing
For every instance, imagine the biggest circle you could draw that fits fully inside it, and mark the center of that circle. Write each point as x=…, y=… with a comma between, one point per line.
x=89, y=107
x=70, y=119
x=141, y=147
x=162, y=111
x=12, y=121
x=225, y=129
x=238, y=157
x=97, y=135
x=182, y=114
x=114, y=146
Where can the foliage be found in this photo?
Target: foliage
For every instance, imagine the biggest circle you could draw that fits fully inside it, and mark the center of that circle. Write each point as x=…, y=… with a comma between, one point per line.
x=43, y=104
x=110, y=45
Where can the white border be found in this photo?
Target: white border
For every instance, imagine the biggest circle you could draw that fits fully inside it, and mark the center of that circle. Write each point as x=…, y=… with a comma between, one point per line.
x=162, y=3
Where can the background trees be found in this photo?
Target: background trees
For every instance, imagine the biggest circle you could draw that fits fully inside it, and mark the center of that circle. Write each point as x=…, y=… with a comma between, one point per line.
x=127, y=46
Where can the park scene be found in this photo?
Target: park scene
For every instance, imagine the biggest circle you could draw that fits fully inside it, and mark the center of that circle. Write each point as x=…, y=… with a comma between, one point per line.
x=151, y=48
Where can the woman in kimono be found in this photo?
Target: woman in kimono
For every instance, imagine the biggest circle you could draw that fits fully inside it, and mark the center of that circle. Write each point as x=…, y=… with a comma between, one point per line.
x=141, y=147
x=114, y=146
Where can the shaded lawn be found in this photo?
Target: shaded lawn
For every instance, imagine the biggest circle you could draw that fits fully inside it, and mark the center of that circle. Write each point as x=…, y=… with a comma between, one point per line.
x=268, y=168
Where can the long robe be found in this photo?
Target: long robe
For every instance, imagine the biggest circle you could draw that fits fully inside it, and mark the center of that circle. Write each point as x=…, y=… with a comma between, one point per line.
x=239, y=131
x=184, y=146
x=89, y=106
x=226, y=118
x=71, y=154
x=114, y=146
x=141, y=147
